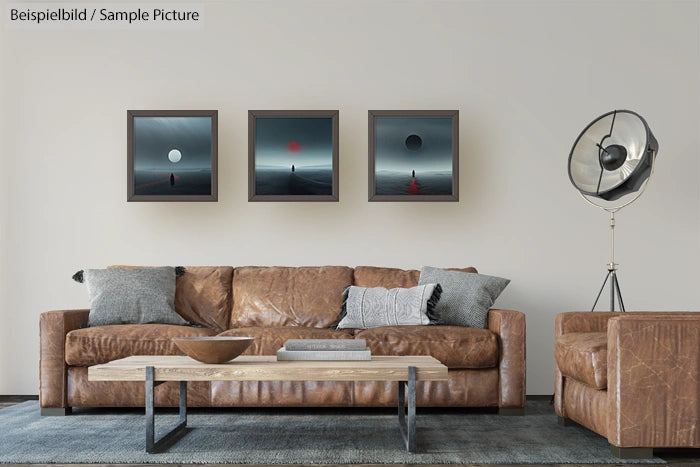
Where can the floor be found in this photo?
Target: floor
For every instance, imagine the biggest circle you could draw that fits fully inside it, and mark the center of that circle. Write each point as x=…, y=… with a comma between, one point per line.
x=676, y=457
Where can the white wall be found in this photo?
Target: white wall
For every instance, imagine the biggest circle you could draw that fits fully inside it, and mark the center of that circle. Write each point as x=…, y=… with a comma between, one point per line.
x=526, y=76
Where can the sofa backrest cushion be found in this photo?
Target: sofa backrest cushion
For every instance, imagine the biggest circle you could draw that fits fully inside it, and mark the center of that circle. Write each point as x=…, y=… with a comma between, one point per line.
x=389, y=278
x=203, y=295
x=288, y=296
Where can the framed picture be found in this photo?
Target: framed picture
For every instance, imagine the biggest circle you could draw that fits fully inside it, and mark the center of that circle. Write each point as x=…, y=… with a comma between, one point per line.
x=413, y=155
x=293, y=155
x=172, y=155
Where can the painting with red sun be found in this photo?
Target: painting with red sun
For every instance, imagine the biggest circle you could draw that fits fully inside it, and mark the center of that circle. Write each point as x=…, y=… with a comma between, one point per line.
x=293, y=155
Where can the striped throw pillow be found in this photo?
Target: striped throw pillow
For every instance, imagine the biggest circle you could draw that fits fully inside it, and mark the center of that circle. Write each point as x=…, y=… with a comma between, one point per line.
x=365, y=308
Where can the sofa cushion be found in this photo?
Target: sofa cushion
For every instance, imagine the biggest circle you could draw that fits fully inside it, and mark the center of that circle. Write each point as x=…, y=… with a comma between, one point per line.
x=583, y=356
x=371, y=307
x=390, y=278
x=131, y=296
x=466, y=297
x=203, y=295
x=269, y=340
x=288, y=296
x=101, y=344
x=455, y=346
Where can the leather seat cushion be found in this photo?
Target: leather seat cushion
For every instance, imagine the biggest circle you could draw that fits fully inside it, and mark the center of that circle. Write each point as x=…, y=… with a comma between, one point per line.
x=454, y=346
x=288, y=296
x=389, y=278
x=101, y=344
x=583, y=356
x=269, y=340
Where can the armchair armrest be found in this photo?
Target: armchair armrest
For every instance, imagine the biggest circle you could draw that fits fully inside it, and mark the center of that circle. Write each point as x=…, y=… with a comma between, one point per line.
x=53, y=327
x=510, y=327
x=575, y=321
x=582, y=321
x=654, y=380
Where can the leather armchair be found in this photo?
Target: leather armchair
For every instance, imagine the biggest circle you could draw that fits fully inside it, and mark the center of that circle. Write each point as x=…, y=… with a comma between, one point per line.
x=633, y=378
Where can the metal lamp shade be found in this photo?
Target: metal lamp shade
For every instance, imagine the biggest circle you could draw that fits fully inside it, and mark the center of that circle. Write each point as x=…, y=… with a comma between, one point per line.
x=613, y=155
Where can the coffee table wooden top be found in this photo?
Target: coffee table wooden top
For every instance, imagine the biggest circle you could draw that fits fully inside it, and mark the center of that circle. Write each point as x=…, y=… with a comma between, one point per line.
x=267, y=368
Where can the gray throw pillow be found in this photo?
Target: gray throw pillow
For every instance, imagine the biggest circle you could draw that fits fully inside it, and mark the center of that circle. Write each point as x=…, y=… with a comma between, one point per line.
x=365, y=308
x=466, y=297
x=131, y=296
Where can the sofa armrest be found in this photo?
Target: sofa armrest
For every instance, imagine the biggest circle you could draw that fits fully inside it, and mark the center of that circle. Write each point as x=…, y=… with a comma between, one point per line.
x=510, y=327
x=654, y=380
x=53, y=327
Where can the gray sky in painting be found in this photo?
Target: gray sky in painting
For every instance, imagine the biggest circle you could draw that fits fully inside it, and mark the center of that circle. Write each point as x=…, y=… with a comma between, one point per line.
x=313, y=135
x=154, y=137
x=392, y=154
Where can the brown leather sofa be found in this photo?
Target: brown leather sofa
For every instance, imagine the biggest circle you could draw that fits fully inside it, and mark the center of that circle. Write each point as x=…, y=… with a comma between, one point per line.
x=633, y=378
x=273, y=304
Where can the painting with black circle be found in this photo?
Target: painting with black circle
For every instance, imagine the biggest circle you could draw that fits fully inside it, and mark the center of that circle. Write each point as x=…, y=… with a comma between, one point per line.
x=172, y=155
x=413, y=155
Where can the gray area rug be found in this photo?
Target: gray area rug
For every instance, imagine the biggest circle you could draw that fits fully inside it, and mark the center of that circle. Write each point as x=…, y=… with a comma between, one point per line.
x=300, y=436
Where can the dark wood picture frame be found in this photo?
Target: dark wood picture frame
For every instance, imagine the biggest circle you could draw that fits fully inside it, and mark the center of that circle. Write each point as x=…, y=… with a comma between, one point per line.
x=372, y=179
x=130, y=176
x=253, y=115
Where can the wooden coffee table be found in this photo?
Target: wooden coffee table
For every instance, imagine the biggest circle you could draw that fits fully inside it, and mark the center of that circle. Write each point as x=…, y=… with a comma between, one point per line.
x=154, y=370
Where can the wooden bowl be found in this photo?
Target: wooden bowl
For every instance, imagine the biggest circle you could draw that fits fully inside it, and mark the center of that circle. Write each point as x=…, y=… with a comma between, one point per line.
x=213, y=349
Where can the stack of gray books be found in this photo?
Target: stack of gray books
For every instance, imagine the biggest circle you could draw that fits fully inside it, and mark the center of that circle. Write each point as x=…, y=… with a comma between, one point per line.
x=324, y=349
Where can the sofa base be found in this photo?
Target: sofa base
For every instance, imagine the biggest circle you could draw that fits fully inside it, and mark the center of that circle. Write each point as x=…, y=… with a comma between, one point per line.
x=511, y=411
x=465, y=388
x=56, y=411
x=631, y=453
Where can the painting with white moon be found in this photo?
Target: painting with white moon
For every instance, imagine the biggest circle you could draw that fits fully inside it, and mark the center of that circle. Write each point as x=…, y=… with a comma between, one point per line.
x=172, y=155
x=293, y=155
x=413, y=155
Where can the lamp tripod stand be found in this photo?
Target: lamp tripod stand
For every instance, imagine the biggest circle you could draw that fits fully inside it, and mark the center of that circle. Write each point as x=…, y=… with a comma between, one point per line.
x=612, y=272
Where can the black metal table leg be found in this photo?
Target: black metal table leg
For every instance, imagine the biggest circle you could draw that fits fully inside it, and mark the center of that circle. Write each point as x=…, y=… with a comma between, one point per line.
x=408, y=427
x=153, y=445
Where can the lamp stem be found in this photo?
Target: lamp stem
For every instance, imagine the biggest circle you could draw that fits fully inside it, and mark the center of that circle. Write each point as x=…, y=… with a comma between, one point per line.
x=612, y=266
